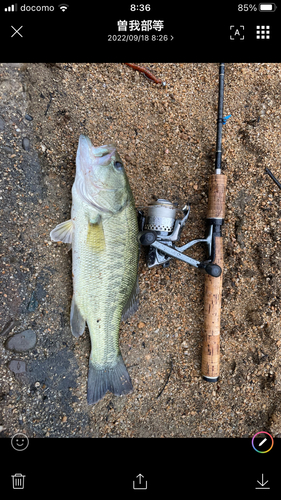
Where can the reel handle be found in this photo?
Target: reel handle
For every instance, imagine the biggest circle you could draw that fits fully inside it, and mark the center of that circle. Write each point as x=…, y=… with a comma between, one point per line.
x=213, y=285
x=213, y=270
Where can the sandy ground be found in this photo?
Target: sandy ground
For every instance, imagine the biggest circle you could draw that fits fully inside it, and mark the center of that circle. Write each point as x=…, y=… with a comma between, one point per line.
x=166, y=137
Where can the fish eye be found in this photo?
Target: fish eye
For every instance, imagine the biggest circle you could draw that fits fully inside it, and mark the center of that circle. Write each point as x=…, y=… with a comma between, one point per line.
x=118, y=165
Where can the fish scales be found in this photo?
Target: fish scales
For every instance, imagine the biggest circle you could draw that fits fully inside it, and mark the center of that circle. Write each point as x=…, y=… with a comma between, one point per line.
x=103, y=231
x=103, y=279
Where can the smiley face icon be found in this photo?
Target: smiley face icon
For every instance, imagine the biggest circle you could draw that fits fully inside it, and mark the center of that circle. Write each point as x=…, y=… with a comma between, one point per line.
x=20, y=442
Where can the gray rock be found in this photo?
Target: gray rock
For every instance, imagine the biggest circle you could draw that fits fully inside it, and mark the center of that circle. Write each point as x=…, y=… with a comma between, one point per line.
x=17, y=366
x=26, y=144
x=21, y=342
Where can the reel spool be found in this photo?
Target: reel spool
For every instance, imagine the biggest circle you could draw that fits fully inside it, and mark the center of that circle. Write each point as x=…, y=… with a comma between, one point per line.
x=161, y=217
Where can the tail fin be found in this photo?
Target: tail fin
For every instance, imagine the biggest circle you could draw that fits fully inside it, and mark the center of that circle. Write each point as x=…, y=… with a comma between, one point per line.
x=115, y=379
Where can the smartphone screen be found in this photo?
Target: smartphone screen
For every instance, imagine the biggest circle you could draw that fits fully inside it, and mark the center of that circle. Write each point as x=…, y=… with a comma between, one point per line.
x=140, y=340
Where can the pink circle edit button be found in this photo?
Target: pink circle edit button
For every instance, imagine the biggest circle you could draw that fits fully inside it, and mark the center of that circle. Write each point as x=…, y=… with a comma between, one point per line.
x=257, y=442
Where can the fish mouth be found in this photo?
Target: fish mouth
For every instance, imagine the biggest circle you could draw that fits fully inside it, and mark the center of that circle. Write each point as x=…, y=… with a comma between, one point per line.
x=102, y=151
x=87, y=159
x=91, y=158
x=84, y=141
x=101, y=154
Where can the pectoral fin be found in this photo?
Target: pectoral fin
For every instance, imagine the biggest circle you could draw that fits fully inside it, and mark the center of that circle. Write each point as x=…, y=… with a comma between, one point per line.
x=95, y=235
x=63, y=232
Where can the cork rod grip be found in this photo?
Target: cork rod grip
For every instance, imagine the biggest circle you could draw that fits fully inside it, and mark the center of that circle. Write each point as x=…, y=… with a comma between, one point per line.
x=216, y=197
x=213, y=286
x=212, y=314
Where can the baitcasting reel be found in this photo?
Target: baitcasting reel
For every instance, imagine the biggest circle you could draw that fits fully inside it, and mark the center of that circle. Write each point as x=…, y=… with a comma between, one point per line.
x=160, y=230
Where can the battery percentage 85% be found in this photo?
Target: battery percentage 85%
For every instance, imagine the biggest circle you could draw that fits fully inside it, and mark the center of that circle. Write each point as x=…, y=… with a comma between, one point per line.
x=247, y=7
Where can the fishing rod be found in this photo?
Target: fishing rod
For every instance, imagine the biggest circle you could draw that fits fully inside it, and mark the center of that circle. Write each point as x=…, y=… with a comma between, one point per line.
x=213, y=287
x=160, y=231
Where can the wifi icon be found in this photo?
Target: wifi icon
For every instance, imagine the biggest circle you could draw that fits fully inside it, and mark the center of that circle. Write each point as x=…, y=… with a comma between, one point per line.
x=63, y=6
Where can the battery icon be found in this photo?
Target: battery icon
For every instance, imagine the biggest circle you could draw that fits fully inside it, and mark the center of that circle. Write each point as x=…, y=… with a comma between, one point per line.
x=267, y=7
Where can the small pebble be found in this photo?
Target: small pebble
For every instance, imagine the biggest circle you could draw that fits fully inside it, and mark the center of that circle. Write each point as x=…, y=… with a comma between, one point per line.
x=17, y=366
x=26, y=144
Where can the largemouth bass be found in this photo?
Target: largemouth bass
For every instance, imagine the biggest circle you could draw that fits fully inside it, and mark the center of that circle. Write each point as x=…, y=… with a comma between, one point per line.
x=103, y=232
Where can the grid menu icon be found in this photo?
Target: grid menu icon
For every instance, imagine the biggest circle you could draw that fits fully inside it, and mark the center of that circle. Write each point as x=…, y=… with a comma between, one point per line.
x=263, y=32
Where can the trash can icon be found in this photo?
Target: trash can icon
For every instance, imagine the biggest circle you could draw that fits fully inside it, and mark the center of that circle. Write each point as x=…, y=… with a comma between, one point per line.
x=18, y=481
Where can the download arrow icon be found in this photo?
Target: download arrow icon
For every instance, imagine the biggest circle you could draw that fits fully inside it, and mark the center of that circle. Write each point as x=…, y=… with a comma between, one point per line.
x=262, y=483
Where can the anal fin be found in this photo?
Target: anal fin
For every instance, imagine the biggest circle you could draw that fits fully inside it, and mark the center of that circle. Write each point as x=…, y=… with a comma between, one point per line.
x=77, y=322
x=132, y=303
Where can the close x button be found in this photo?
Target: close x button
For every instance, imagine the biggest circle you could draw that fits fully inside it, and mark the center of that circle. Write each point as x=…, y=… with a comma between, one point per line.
x=16, y=31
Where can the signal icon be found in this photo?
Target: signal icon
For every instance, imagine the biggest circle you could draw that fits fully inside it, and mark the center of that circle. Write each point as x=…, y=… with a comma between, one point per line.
x=11, y=8
x=63, y=6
